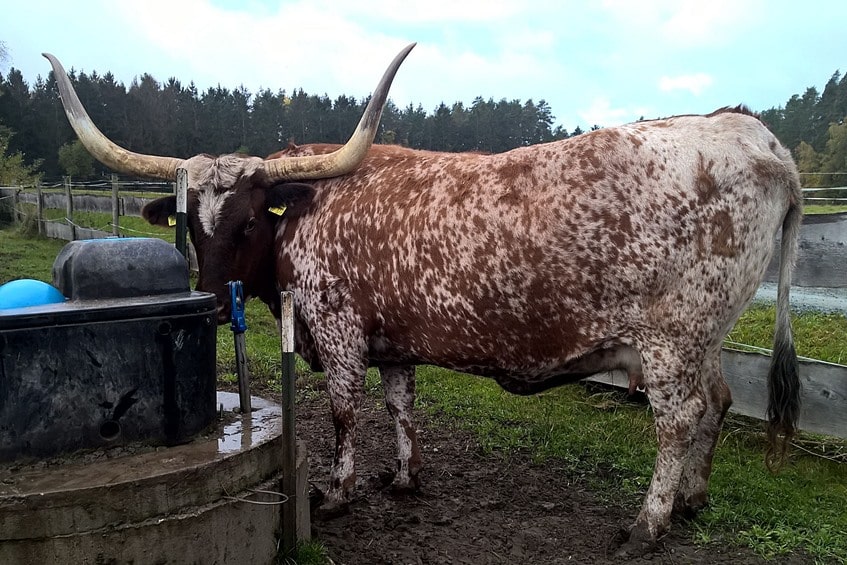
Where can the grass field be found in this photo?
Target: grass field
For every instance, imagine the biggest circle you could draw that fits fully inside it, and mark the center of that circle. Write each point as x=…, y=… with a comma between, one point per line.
x=594, y=430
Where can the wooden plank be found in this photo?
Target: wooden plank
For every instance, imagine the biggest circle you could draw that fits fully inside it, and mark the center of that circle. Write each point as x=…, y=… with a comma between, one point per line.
x=821, y=253
x=823, y=404
x=56, y=230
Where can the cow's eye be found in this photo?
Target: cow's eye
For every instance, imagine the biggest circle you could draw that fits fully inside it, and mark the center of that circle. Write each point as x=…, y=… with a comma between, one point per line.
x=251, y=223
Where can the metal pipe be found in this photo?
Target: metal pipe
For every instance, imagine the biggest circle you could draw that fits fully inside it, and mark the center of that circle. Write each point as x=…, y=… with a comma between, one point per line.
x=116, y=231
x=182, y=211
x=289, y=442
x=238, y=326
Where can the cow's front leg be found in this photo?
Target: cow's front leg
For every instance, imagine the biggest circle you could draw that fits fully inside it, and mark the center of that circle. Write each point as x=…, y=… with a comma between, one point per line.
x=342, y=350
x=398, y=383
x=345, y=398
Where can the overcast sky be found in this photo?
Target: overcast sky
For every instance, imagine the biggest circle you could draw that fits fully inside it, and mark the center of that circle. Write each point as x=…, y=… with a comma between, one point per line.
x=599, y=62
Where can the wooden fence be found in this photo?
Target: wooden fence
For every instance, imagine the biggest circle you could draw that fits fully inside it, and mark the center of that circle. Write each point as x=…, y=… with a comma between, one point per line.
x=111, y=202
x=821, y=253
x=821, y=262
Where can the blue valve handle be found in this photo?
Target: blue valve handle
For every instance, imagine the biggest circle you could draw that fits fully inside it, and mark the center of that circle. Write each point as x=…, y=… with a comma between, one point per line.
x=236, y=294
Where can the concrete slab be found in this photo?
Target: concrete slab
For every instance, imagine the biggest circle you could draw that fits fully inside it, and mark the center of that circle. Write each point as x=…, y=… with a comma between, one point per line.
x=185, y=504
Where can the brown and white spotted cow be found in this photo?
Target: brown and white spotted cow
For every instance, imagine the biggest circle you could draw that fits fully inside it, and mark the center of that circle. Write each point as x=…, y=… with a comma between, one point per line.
x=634, y=247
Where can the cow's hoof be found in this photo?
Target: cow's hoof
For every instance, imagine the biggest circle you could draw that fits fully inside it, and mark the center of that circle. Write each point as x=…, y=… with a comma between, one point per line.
x=403, y=490
x=331, y=510
x=688, y=509
x=316, y=497
x=384, y=479
x=635, y=548
x=636, y=543
x=397, y=487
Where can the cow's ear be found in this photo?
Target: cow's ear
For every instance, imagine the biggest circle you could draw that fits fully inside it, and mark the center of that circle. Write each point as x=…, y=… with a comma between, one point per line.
x=160, y=210
x=290, y=199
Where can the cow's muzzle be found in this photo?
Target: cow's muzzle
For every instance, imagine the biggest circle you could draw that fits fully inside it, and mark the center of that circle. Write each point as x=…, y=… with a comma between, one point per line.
x=224, y=313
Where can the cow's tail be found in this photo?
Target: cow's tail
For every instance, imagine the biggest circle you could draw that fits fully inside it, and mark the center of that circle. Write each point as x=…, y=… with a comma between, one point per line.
x=784, y=377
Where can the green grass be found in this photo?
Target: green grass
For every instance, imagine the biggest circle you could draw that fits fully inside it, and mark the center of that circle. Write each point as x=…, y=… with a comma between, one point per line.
x=824, y=208
x=129, y=225
x=27, y=258
x=310, y=552
x=600, y=438
x=817, y=335
x=262, y=342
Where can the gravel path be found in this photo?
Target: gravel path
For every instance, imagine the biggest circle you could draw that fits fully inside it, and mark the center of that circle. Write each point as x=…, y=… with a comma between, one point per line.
x=808, y=298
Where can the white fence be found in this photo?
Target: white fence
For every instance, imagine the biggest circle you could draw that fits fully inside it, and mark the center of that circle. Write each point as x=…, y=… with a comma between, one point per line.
x=818, y=195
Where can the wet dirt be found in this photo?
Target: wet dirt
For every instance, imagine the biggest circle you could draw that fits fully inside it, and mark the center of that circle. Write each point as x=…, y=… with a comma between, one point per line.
x=473, y=507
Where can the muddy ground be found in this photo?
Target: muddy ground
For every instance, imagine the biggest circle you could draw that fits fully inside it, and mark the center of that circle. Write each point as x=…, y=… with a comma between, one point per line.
x=475, y=508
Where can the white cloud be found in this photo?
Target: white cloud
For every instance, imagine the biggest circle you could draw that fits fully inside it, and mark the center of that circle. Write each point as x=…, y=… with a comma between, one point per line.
x=695, y=83
x=684, y=23
x=695, y=22
x=601, y=113
x=428, y=12
x=328, y=48
x=300, y=45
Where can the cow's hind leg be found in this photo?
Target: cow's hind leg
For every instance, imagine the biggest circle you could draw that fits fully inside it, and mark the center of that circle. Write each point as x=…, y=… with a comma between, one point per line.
x=678, y=405
x=399, y=385
x=692, y=494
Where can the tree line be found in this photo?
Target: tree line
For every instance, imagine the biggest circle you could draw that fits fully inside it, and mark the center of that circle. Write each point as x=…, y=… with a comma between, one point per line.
x=170, y=118
x=814, y=126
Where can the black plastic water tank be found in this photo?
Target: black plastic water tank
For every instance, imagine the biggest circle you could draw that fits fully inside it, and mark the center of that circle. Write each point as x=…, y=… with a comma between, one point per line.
x=129, y=357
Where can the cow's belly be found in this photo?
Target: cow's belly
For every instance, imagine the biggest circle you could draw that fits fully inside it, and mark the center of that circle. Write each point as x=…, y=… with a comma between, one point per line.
x=607, y=358
x=520, y=367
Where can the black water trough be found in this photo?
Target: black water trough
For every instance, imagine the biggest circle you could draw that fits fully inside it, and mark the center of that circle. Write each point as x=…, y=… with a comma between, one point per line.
x=129, y=356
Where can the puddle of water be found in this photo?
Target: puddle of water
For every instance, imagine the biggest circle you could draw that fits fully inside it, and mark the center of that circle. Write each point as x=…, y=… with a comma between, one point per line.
x=248, y=430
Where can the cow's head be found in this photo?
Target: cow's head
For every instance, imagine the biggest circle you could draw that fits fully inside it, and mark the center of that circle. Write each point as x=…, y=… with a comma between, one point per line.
x=233, y=200
x=233, y=233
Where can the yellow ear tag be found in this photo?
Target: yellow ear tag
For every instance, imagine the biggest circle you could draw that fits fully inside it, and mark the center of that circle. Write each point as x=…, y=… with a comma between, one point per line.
x=171, y=221
x=278, y=210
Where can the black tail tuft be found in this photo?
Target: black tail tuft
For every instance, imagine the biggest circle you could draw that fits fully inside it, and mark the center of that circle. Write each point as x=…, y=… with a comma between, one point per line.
x=783, y=403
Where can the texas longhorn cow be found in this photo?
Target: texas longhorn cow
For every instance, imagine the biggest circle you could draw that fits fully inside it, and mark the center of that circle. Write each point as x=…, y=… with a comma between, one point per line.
x=634, y=247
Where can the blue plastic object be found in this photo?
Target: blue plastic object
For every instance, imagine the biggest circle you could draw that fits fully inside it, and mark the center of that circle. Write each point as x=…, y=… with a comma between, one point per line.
x=236, y=293
x=28, y=292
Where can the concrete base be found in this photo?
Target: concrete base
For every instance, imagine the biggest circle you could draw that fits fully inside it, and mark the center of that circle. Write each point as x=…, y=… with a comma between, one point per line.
x=183, y=504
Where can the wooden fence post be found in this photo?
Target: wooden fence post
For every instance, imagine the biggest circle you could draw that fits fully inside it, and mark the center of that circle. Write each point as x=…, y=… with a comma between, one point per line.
x=116, y=231
x=39, y=207
x=69, y=206
x=16, y=219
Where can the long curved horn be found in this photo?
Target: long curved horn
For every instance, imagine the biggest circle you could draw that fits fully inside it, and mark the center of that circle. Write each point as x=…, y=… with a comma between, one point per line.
x=347, y=158
x=100, y=146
